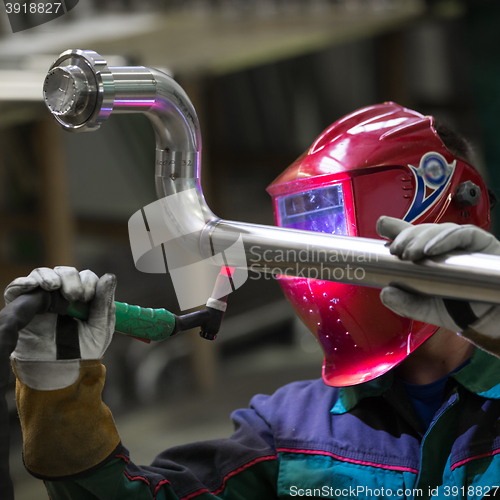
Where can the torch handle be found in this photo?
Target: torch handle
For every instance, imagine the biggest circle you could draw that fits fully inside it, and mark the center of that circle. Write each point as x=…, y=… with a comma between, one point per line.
x=140, y=322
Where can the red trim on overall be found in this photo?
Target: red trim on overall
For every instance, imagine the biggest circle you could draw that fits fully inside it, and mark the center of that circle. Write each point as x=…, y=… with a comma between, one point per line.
x=195, y=494
x=243, y=467
x=140, y=478
x=136, y=478
x=159, y=485
x=123, y=457
x=342, y=459
x=236, y=471
x=482, y=455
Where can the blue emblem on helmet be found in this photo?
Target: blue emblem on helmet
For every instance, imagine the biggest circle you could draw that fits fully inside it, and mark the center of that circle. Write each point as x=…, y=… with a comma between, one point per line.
x=433, y=173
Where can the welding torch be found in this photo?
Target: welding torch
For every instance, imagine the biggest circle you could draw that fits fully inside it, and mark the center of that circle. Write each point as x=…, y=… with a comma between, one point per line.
x=142, y=323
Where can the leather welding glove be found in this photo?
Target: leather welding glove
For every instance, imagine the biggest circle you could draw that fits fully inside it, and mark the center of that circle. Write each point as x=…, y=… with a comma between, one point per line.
x=477, y=321
x=49, y=349
x=67, y=429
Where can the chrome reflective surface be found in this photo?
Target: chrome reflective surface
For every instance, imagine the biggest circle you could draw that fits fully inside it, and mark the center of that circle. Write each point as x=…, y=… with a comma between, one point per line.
x=135, y=89
x=357, y=261
x=81, y=92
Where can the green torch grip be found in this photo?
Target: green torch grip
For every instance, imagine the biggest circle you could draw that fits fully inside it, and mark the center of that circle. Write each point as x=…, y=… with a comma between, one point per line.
x=142, y=322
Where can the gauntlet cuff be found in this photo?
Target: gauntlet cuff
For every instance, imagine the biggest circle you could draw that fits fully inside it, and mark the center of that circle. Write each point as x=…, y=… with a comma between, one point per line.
x=66, y=431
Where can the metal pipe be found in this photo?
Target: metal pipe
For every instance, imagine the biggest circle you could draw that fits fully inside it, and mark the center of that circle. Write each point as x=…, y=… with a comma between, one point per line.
x=354, y=260
x=81, y=92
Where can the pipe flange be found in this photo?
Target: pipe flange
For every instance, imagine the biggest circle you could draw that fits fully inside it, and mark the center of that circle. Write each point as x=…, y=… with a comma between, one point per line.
x=79, y=90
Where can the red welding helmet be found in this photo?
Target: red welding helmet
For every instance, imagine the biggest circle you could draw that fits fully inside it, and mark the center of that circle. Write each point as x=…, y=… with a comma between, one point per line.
x=379, y=160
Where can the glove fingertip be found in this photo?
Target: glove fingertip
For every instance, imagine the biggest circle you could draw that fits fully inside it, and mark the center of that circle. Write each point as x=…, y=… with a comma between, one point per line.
x=18, y=287
x=105, y=291
x=89, y=281
x=448, y=239
x=400, y=301
x=389, y=227
x=380, y=225
x=107, y=281
x=88, y=274
x=432, y=249
x=390, y=295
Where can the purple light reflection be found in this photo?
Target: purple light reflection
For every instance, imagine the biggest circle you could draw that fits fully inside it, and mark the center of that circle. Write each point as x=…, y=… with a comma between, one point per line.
x=134, y=103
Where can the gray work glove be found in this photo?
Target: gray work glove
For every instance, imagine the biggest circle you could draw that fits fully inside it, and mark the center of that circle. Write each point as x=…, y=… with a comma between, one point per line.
x=50, y=348
x=430, y=240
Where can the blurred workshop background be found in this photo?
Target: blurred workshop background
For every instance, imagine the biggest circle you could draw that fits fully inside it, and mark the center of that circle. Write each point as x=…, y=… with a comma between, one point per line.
x=266, y=77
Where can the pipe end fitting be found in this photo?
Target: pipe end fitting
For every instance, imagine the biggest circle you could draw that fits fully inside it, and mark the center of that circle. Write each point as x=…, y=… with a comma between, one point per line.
x=79, y=90
x=66, y=91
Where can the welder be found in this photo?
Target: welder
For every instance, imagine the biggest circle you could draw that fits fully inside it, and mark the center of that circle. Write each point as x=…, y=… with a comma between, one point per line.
x=409, y=401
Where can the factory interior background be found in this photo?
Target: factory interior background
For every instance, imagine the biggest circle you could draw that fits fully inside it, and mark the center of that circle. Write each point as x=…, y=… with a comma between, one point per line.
x=266, y=77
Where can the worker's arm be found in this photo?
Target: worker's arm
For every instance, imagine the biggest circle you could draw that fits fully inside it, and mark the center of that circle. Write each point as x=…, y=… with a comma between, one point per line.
x=70, y=439
x=477, y=321
x=244, y=466
x=57, y=362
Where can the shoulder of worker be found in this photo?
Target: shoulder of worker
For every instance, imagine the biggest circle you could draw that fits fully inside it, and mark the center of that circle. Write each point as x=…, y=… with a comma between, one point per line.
x=296, y=404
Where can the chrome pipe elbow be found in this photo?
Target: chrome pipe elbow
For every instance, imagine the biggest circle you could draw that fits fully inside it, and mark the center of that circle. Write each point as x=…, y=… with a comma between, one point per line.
x=81, y=92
